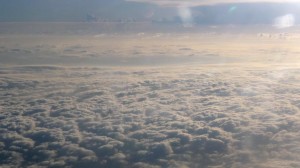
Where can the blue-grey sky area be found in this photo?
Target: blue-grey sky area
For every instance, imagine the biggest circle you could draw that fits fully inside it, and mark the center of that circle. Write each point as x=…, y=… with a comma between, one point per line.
x=164, y=11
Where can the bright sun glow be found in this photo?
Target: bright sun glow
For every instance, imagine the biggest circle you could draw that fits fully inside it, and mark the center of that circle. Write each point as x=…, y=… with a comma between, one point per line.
x=186, y=16
x=285, y=21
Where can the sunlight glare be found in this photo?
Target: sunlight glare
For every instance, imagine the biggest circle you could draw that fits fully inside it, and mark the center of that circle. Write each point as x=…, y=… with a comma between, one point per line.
x=186, y=16
x=232, y=9
x=284, y=21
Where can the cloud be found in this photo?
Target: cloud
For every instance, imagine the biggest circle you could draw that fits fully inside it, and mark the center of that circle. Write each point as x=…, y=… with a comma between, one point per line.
x=208, y=2
x=189, y=117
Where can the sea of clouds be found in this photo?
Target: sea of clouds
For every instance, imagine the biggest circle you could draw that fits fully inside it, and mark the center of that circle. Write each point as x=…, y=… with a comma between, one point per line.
x=208, y=116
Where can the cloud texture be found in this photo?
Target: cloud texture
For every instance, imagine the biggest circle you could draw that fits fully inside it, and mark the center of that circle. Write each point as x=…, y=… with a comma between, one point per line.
x=53, y=116
x=222, y=110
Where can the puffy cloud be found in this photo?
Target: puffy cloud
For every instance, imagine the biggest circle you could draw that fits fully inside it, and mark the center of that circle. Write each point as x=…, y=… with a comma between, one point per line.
x=45, y=135
x=191, y=117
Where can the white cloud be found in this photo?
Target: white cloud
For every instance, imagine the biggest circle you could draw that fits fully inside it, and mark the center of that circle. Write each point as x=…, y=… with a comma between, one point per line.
x=189, y=116
x=169, y=116
x=284, y=21
x=208, y=2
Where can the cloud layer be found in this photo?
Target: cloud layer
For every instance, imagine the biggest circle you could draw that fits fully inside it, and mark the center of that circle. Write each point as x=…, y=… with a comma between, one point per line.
x=216, y=112
x=209, y=2
x=144, y=46
x=212, y=116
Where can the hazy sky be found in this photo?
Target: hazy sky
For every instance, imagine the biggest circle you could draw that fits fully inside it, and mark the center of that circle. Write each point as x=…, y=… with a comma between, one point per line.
x=210, y=2
x=196, y=11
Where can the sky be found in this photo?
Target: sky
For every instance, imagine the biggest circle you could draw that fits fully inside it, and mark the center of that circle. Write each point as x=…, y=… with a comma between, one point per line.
x=189, y=11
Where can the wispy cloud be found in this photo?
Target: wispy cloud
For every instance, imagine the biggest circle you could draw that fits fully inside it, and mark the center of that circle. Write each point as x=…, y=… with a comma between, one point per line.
x=208, y=2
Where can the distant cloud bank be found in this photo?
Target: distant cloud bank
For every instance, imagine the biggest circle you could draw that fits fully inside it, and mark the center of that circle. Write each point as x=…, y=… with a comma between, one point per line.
x=209, y=2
